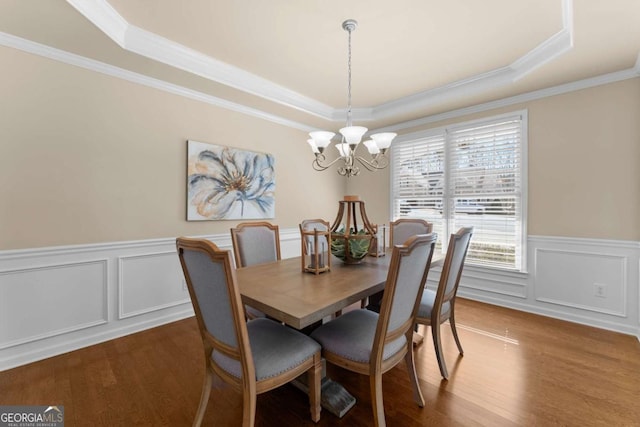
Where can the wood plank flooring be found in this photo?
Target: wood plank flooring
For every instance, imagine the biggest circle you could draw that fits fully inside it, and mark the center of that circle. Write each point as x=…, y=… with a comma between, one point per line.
x=518, y=369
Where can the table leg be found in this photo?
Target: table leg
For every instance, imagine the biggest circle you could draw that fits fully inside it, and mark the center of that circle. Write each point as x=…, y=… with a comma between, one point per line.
x=334, y=397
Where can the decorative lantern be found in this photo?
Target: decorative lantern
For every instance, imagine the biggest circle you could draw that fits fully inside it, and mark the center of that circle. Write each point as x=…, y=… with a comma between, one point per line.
x=350, y=241
x=379, y=244
x=315, y=239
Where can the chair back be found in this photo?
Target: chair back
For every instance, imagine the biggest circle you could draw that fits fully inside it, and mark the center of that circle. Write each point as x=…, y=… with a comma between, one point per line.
x=401, y=229
x=452, y=267
x=403, y=289
x=255, y=243
x=216, y=300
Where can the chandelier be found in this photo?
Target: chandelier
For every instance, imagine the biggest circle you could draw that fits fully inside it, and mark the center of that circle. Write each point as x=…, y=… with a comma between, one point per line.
x=377, y=146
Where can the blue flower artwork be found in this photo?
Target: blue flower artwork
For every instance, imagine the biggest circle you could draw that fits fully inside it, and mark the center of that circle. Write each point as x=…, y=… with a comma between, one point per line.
x=229, y=183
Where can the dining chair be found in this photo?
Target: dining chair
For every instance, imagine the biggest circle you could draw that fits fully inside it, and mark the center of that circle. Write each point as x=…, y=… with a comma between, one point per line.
x=399, y=231
x=255, y=243
x=438, y=306
x=371, y=344
x=254, y=356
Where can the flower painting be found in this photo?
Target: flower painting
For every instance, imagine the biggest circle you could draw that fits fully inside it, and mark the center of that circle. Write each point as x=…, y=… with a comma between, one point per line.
x=228, y=183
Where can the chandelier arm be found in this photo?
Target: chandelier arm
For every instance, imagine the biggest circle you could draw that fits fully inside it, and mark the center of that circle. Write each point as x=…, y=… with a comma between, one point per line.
x=349, y=171
x=317, y=165
x=374, y=164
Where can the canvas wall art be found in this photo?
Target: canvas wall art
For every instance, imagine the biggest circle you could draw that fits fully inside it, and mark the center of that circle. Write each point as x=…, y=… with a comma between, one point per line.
x=229, y=183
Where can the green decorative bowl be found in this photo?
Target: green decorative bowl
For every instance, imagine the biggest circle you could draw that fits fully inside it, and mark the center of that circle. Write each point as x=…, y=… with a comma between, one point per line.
x=351, y=249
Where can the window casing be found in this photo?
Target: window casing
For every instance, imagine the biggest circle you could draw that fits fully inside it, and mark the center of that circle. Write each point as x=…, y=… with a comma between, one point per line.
x=468, y=174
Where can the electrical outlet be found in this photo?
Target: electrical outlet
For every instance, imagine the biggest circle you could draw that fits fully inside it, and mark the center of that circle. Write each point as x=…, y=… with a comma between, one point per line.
x=600, y=290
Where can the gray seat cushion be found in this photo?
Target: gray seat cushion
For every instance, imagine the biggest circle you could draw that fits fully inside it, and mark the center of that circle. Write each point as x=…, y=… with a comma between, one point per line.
x=426, y=304
x=351, y=336
x=275, y=349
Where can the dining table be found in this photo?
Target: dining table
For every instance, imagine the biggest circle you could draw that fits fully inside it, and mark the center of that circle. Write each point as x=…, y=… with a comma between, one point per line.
x=301, y=300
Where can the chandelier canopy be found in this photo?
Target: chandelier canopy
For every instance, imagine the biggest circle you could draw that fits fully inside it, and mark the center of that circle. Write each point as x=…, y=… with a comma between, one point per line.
x=351, y=136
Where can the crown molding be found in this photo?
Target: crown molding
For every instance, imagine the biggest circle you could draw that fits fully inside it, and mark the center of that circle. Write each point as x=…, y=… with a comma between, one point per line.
x=545, y=52
x=163, y=50
x=518, y=99
x=158, y=48
x=49, y=52
x=105, y=17
x=359, y=114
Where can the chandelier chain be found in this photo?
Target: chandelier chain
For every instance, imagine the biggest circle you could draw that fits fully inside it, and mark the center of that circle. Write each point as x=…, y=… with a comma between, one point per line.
x=349, y=84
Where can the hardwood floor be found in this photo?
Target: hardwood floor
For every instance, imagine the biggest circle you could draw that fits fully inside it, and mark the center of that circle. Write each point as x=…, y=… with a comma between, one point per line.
x=518, y=369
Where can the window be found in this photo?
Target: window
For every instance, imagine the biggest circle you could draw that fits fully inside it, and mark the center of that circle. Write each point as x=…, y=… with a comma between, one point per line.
x=468, y=174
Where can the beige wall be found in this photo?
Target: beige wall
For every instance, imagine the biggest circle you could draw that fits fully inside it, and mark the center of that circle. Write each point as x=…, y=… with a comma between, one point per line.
x=584, y=164
x=87, y=158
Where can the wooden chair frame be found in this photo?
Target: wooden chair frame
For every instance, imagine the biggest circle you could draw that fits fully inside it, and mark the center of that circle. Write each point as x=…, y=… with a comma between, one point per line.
x=375, y=301
x=437, y=316
x=376, y=365
x=247, y=385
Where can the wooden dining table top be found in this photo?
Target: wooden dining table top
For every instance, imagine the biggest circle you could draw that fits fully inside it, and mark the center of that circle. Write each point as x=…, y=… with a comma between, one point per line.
x=281, y=290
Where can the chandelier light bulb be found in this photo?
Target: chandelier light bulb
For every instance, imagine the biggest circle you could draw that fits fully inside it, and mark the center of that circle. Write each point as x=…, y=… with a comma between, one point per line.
x=383, y=140
x=321, y=138
x=353, y=134
x=371, y=146
x=313, y=145
x=343, y=149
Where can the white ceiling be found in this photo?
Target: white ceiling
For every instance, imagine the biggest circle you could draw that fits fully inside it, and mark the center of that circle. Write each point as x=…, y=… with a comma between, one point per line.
x=287, y=60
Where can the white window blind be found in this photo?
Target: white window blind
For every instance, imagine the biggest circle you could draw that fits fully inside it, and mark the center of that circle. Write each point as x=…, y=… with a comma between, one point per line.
x=469, y=174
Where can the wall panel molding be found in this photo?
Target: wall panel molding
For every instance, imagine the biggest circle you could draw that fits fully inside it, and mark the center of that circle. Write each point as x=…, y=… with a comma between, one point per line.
x=58, y=288
x=122, y=285
x=580, y=271
x=155, y=284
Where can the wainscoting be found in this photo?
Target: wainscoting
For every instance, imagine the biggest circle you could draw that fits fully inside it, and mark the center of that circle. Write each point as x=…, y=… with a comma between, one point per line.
x=54, y=300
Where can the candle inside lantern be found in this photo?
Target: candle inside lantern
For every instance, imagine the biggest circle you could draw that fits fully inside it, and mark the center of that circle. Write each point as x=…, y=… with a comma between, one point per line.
x=312, y=255
x=311, y=250
x=381, y=239
x=315, y=242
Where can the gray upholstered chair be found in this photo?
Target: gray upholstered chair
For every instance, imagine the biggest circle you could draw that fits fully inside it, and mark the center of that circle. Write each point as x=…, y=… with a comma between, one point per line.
x=399, y=231
x=255, y=243
x=371, y=344
x=438, y=306
x=254, y=356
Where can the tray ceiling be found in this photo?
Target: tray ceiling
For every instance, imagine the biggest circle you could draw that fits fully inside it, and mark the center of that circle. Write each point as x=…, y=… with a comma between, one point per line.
x=288, y=60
